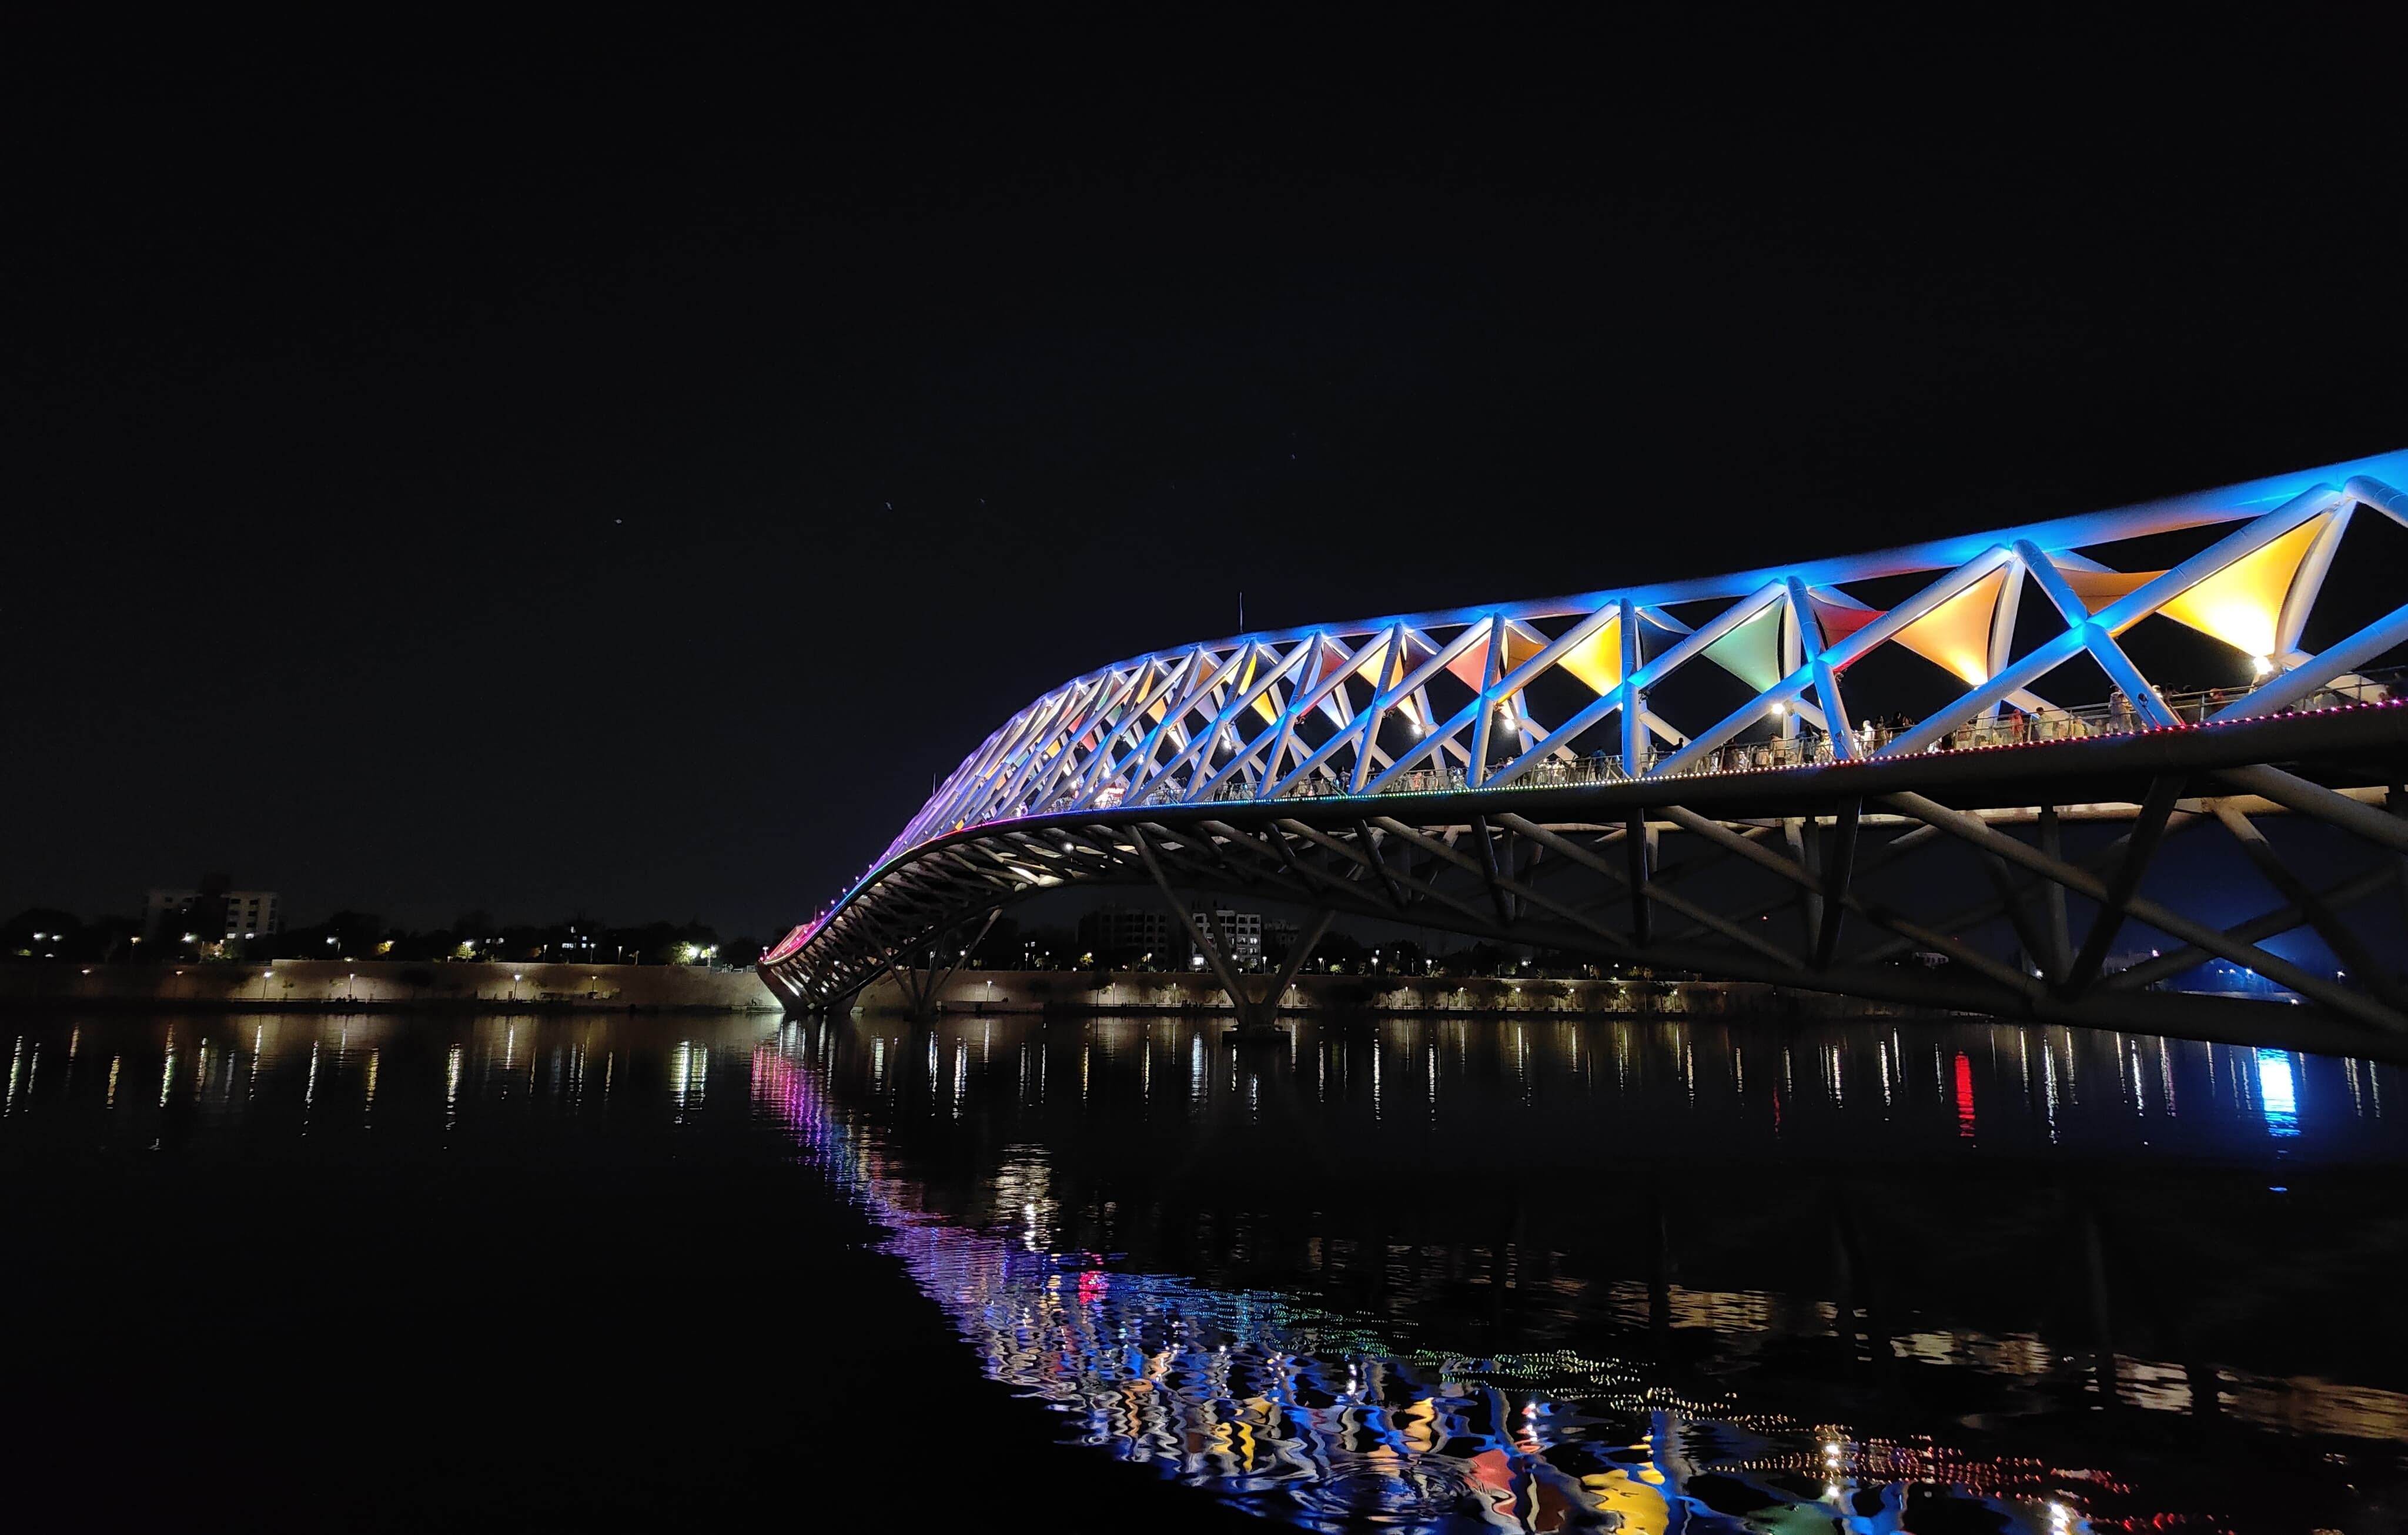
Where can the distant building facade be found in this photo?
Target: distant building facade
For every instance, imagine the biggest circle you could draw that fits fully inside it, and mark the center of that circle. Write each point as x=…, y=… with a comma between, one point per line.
x=1242, y=931
x=1123, y=934
x=1129, y=935
x=212, y=915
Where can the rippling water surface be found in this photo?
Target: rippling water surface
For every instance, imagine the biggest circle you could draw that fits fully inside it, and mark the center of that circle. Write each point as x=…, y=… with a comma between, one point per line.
x=1431, y=1275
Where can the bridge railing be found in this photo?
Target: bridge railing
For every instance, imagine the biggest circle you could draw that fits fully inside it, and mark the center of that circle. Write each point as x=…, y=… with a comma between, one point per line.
x=2008, y=727
x=1810, y=748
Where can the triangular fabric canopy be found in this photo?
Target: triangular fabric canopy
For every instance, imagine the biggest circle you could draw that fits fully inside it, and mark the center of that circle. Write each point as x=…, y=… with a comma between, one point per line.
x=1363, y=663
x=1152, y=693
x=2243, y=603
x=2101, y=589
x=1263, y=705
x=1752, y=652
x=1598, y=660
x=1378, y=662
x=1519, y=647
x=1957, y=634
x=1838, y=615
x=1369, y=662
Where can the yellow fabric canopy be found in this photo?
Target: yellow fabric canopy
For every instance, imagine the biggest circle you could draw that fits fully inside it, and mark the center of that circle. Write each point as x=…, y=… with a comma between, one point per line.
x=2243, y=603
x=1957, y=634
x=1265, y=706
x=1597, y=661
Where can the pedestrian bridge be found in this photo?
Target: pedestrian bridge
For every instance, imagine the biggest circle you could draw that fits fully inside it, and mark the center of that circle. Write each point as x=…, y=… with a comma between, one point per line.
x=1979, y=772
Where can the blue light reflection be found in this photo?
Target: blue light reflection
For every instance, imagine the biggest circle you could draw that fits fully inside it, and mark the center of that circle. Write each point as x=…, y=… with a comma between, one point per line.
x=2278, y=1096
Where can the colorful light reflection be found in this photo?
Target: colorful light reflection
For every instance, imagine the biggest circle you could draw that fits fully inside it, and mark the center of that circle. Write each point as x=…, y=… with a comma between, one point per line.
x=2278, y=1095
x=1964, y=1095
x=1312, y=1417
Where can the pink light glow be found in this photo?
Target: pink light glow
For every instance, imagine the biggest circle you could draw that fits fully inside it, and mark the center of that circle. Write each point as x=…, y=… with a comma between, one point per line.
x=791, y=942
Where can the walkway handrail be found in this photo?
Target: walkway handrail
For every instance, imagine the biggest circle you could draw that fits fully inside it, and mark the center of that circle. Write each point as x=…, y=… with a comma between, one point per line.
x=1810, y=747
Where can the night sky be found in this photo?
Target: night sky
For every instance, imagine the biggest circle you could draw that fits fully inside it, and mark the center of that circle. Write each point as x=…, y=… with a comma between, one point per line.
x=618, y=477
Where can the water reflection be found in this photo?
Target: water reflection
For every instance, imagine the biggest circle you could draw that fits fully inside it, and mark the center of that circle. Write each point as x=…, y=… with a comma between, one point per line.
x=1257, y=1275
x=2277, y=1098
x=1436, y=1274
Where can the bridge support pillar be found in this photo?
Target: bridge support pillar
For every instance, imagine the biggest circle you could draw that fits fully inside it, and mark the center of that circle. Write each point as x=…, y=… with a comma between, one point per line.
x=1257, y=1015
x=2060, y=931
x=922, y=989
x=2397, y=805
x=1639, y=848
x=1805, y=840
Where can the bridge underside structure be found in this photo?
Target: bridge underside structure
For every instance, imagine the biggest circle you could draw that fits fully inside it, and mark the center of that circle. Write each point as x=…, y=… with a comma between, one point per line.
x=1689, y=777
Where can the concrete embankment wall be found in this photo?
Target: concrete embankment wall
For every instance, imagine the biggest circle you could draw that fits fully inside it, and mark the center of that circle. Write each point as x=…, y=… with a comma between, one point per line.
x=377, y=984
x=1146, y=991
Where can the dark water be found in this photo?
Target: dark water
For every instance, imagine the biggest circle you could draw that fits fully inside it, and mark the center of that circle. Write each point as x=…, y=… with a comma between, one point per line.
x=1405, y=1274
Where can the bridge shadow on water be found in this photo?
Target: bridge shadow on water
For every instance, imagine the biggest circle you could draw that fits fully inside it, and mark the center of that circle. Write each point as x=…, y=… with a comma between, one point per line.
x=1112, y=1273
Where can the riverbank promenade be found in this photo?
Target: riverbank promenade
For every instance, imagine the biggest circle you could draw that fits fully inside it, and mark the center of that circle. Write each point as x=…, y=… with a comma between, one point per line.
x=359, y=985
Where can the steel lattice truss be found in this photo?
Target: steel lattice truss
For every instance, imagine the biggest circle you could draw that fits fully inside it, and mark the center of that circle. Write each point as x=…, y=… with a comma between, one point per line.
x=1364, y=732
